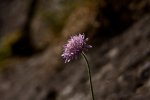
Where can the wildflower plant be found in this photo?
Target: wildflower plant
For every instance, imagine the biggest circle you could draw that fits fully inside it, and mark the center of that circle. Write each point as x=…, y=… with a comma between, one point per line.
x=77, y=46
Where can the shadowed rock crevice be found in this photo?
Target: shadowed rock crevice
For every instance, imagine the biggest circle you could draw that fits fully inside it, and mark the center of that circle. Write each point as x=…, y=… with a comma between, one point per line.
x=51, y=95
x=24, y=46
x=116, y=17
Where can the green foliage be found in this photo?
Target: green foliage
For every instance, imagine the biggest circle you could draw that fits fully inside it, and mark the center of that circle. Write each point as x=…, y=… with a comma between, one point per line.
x=56, y=18
x=55, y=22
x=5, y=45
x=5, y=52
x=2, y=65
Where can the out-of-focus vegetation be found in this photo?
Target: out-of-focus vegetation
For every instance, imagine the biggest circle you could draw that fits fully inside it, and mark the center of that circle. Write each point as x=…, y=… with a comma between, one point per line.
x=32, y=33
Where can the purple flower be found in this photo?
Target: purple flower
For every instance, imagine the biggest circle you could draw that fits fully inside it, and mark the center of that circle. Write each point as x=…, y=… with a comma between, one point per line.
x=75, y=46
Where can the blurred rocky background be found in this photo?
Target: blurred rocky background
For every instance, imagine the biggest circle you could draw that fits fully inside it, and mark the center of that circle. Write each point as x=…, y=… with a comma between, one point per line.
x=32, y=33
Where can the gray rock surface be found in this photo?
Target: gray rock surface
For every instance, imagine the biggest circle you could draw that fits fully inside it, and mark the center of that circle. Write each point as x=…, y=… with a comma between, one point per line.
x=120, y=68
x=32, y=33
x=120, y=71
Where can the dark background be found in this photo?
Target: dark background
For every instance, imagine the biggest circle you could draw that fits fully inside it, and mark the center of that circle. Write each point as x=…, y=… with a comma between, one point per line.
x=33, y=32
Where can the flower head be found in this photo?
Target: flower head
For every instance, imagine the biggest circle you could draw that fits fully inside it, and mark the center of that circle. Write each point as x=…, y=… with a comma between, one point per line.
x=75, y=46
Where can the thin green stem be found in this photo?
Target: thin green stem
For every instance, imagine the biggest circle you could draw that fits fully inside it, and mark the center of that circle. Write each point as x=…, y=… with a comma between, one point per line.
x=89, y=74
